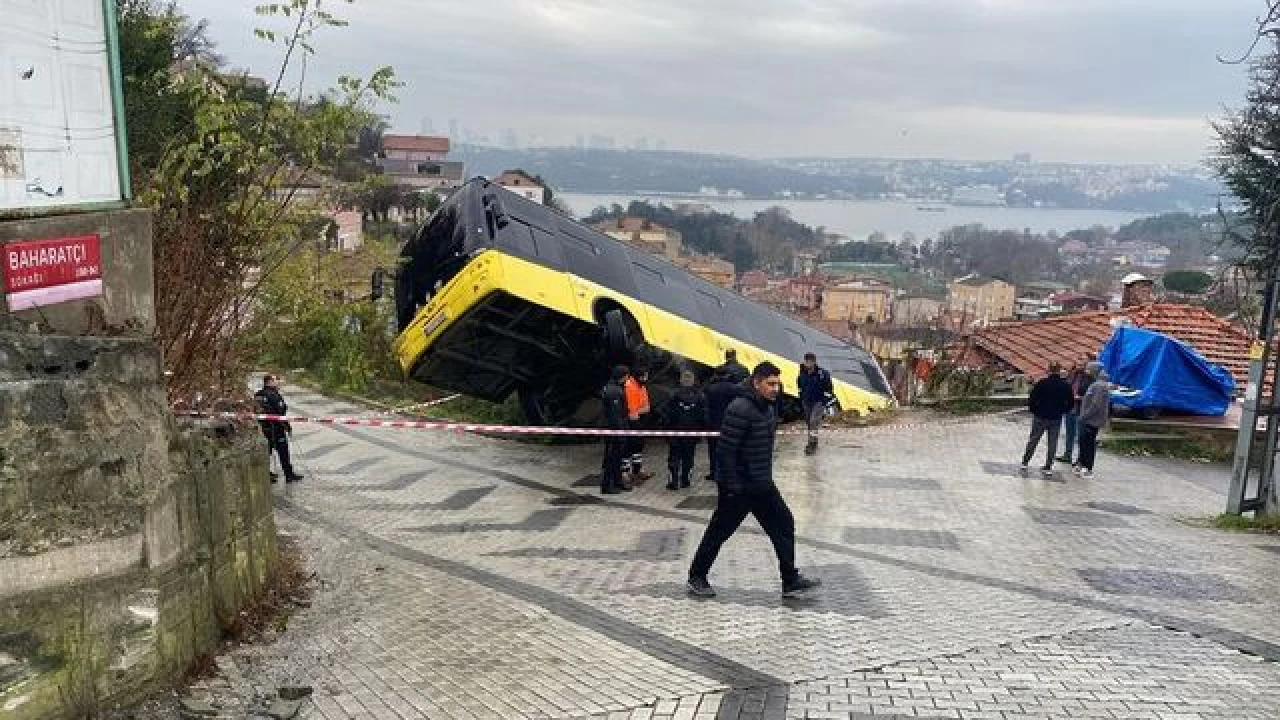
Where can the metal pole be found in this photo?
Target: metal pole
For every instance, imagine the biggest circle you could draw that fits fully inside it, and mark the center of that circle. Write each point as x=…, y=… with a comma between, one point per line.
x=1258, y=353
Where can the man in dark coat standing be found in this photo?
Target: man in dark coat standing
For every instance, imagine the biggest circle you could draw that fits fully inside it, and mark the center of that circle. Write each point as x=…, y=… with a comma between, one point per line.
x=746, y=487
x=613, y=397
x=1051, y=398
x=686, y=410
x=277, y=432
x=721, y=391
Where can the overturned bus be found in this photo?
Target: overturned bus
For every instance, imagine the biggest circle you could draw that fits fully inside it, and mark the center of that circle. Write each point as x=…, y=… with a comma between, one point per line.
x=498, y=294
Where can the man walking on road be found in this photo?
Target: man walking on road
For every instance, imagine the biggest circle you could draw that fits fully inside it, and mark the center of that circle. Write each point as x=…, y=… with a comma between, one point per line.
x=815, y=392
x=1050, y=399
x=277, y=432
x=746, y=487
x=613, y=397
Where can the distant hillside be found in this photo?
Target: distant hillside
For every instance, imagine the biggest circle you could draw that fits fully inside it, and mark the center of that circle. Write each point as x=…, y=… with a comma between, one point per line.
x=625, y=172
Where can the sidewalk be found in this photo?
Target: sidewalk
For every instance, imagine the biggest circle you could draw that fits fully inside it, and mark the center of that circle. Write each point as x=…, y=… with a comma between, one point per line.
x=464, y=577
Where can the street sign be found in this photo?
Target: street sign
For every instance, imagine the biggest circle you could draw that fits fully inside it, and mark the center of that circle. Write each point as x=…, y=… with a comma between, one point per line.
x=45, y=272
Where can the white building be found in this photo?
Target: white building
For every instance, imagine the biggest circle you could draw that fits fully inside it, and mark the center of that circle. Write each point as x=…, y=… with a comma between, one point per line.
x=522, y=184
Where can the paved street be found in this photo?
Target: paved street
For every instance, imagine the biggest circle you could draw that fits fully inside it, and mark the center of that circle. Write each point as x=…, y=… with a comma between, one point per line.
x=467, y=577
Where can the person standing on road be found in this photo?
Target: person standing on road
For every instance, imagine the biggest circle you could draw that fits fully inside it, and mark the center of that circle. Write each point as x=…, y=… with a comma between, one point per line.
x=816, y=391
x=720, y=392
x=637, y=394
x=277, y=432
x=731, y=366
x=686, y=410
x=1095, y=410
x=746, y=487
x=613, y=397
x=1050, y=399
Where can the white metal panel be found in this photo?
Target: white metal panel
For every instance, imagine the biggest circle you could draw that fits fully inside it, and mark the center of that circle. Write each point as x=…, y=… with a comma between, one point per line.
x=57, y=129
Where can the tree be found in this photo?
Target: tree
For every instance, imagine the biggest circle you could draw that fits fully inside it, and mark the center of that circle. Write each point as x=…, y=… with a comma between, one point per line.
x=1248, y=159
x=219, y=160
x=1187, y=282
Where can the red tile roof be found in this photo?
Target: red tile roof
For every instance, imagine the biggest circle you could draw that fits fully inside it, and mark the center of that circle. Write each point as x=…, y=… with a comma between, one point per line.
x=416, y=143
x=1028, y=347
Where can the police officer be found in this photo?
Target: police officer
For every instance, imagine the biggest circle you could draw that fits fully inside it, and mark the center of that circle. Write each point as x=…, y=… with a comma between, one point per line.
x=613, y=397
x=277, y=432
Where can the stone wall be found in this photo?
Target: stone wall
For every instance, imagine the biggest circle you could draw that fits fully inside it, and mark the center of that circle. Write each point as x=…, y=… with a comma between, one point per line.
x=126, y=539
x=128, y=300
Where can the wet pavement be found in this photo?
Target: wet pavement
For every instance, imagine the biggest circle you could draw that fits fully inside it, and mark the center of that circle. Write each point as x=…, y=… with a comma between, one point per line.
x=468, y=577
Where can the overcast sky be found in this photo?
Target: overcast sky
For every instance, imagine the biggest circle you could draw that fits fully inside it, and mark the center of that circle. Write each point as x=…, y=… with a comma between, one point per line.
x=1074, y=80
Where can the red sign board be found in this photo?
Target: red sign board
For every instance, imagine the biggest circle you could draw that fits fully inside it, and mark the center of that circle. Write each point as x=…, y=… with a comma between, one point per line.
x=44, y=272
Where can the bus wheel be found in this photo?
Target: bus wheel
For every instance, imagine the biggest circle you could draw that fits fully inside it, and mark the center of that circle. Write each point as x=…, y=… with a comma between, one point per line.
x=533, y=403
x=617, y=338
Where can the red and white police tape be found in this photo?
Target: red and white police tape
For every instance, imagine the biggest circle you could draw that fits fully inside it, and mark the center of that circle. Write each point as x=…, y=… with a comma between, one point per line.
x=455, y=426
x=482, y=428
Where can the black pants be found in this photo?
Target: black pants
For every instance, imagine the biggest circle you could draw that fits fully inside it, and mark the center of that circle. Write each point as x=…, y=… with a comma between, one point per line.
x=712, y=446
x=1088, y=446
x=1039, y=427
x=278, y=442
x=634, y=451
x=771, y=512
x=680, y=459
x=611, y=467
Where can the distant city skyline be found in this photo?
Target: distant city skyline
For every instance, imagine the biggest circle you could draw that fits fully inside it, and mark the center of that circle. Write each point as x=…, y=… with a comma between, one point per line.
x=1095, y=81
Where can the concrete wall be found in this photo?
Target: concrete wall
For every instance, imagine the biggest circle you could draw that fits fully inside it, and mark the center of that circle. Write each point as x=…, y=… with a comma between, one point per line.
x=128, y=301
x=126, y=540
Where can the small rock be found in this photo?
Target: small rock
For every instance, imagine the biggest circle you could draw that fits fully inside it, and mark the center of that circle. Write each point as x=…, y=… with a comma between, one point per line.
x=284, y=709
x=198, y=708
x=295, y=692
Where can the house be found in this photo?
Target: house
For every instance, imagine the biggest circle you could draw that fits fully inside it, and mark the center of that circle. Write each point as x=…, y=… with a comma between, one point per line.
x=915, y=310
x=346, y=230
x=523, y=184
x=1030, y=308
x=982, y=300
x=419, y=161
x=1029, y=347
x=805, y=262
x=888, y=342
x=861, y=301
x=1073, y=302
x=1041, y=289
x=753, y=282
x=646, y=234
x=712, y=269
x=805, y=293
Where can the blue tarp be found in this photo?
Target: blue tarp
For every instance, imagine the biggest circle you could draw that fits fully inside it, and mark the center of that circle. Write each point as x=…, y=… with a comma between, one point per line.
x=1157, y=371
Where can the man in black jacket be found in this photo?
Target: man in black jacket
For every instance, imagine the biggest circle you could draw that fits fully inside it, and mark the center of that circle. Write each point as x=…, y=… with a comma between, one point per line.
x=615, y=418
x=745, y=482
x=1051, y=398
x=686, y=410
x=277, y=432
x=721, y=391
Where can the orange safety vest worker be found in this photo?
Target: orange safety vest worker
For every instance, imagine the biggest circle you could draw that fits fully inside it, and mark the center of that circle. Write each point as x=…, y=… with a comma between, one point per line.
x=637, y=399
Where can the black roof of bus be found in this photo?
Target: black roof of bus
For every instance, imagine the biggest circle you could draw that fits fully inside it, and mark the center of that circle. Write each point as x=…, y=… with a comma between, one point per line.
x=494, y=217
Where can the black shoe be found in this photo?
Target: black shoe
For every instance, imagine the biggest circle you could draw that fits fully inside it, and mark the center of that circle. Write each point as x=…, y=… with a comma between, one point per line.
x=684, y=483
x=293, y=478
x=609, y=491
x=673, y=485
x=708, y=476
x=811, y=448
x=699, y=587
x=799, y=586
x=625, y=487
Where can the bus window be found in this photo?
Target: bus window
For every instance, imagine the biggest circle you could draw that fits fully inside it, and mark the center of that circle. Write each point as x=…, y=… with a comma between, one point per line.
x=598, y=258
x=716, y=316
x=662, y=290
x=547, y=247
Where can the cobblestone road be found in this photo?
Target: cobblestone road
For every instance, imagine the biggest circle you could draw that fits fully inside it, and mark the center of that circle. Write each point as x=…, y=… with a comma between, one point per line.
x=467, y=577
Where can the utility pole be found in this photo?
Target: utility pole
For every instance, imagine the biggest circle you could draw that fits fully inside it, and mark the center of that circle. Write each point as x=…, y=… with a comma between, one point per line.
x=1255, y=405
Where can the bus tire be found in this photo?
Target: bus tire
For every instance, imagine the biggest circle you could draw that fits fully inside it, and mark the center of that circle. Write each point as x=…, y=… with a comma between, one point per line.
x=532, y=404
x=617, y=339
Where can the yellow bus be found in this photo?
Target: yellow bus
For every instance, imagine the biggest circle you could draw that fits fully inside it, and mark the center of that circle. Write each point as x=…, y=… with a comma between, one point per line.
x=498, y=294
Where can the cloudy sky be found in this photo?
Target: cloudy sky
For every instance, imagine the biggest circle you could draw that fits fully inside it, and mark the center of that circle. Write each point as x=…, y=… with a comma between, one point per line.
x=1074, y=80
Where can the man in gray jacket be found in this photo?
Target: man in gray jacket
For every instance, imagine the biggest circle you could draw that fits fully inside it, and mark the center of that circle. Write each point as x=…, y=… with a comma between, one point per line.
x=1095, y=409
